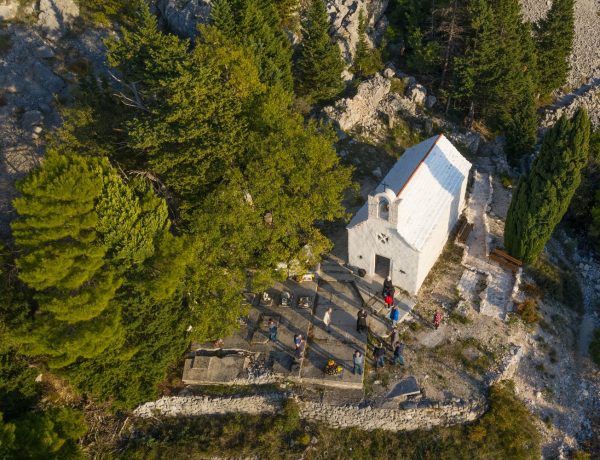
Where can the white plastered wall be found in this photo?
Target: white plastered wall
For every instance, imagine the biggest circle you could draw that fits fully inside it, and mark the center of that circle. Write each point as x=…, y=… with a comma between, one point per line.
x=434, y=245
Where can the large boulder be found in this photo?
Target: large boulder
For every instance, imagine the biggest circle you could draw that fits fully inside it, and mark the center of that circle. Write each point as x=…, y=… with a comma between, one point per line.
x=183, y=16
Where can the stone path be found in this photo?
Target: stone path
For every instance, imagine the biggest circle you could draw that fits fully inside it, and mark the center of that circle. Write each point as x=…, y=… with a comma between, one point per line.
x=499, y=283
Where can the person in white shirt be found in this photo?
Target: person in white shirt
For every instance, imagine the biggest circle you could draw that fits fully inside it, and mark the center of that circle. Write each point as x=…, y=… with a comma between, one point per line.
x=327, y=319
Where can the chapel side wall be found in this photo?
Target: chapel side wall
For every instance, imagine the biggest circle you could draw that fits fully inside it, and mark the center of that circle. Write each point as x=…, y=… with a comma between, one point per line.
x=434, y=245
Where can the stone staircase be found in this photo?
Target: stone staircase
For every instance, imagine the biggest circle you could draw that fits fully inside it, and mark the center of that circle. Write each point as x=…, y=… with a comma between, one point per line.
x=332, y=270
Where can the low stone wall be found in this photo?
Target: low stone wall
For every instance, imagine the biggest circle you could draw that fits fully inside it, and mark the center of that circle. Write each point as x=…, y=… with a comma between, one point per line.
x=366, y=418
x=204, y=405
x=369, y=418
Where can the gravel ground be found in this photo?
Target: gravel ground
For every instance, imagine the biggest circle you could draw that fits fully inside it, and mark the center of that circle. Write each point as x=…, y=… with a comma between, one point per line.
x=585, y=59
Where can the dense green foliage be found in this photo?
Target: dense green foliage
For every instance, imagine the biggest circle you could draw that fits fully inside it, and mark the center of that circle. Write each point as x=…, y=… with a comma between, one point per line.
x=543, y=196
x=318, y=65
x=255, y=25
x=25, y=430
x=554, y=42
x=484, y=61
x=496, y=75
x=118, y=268
x=48, y=435
x=506, y=431
x=584, y=212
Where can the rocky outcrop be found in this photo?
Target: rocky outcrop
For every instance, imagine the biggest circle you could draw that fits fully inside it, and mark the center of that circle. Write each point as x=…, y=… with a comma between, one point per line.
x=34, y=74
x=183, y=16
x=344, y=16
x=362, y=109
x=378, y=106
x=53, y=16
x=56, y=15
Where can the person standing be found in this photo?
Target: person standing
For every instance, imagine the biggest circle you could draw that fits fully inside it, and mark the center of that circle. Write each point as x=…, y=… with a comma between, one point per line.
x=394, y=315
x=361, y=321
x=394, y=337
x=389, y=301
x=399, y=353
x=379, y=355
x=359, y=362
x=388, y=287
x=298, y=345
x=437, y=318
x=327, y=319
x=272, y=330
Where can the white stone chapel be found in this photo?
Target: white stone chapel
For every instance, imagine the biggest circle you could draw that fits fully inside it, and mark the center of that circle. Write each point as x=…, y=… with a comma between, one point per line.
x=403, y=227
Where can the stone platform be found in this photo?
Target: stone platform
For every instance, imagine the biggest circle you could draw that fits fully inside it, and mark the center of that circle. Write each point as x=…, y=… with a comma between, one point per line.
x=234, y=359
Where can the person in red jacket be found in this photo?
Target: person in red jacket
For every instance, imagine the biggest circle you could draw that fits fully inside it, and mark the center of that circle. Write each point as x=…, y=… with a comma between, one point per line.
x=437, y=318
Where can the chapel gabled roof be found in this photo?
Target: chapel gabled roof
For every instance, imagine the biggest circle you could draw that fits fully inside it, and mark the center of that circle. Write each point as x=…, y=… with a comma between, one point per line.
x=426, y=178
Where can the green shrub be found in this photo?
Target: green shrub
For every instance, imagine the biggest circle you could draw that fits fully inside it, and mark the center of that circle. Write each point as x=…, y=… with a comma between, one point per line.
x=528, y=311
x=6, y=44
x=559, y=283
x=397, y=86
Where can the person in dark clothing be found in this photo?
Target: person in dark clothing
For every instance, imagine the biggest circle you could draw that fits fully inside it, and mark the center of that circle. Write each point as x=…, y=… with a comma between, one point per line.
x=361, y=320
x=399, y=353
x=379, y=355
x=388, y=288
x=272, y=330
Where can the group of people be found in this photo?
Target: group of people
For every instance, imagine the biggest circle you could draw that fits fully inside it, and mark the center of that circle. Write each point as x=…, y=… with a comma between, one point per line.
x=361, y=326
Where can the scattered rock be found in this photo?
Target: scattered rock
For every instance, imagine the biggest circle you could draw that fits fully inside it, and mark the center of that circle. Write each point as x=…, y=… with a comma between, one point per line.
x=417, y=93
x=377, y=173
x=44, y=52
x=389, y=73
x=430, y=101
x=31, y=119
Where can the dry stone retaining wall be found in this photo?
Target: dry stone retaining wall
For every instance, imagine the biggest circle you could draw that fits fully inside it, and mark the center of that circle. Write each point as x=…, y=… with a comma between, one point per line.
x=367, y=418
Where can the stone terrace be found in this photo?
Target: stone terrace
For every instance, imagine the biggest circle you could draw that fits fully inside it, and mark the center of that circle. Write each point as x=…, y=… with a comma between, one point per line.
x=248, y=357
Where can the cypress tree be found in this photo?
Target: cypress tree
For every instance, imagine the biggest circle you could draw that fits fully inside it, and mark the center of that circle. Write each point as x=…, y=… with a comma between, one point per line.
x=319, y=64
x=543, y=196
x=554, y=42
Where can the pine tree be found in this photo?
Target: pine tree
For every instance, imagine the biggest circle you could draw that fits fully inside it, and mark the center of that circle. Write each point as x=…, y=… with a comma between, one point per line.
x=496, y=77
x=367, y=60
x=63, y=259
x=222, y=17
x=554, y=42
x=319, y=64
x=542, y=198
x=259, y=29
